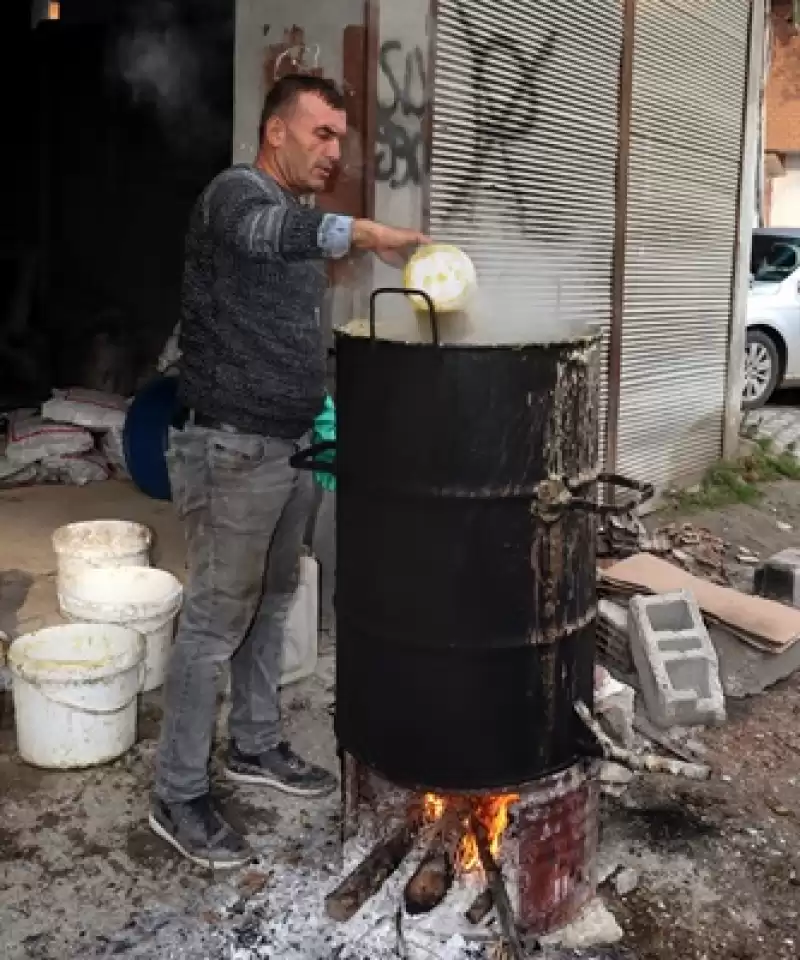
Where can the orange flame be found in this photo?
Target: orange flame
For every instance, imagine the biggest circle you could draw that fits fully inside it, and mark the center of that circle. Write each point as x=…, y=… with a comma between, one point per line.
x=433, y=807
x=492, y=812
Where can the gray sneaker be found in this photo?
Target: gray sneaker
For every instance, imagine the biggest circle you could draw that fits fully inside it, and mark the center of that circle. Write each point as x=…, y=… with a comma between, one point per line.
x=198, y=830
x=282, y=769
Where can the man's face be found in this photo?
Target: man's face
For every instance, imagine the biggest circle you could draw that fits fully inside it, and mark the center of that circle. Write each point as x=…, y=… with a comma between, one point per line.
x=306, y=142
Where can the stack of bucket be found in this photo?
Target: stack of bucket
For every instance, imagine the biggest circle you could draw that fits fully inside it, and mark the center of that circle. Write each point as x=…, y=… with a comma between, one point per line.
x=76, y=686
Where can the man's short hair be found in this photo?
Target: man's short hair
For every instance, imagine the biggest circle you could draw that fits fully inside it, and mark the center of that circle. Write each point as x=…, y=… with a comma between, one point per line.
x=286, y=91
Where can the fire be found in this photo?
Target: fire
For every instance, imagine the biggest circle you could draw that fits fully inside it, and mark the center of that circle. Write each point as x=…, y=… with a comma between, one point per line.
x=433, y=807
x=492, y=812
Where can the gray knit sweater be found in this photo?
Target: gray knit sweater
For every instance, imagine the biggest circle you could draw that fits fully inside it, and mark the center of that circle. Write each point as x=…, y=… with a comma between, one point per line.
x=254, y=280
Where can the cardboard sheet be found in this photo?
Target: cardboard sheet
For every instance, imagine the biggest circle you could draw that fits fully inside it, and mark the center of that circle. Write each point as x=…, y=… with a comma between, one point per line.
x=764, y=624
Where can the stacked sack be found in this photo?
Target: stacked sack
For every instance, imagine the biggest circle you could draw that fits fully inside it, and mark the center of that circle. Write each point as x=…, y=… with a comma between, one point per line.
x=76, y=438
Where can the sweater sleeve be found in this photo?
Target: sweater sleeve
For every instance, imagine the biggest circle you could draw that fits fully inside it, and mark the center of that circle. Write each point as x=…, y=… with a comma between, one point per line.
x=246, y=217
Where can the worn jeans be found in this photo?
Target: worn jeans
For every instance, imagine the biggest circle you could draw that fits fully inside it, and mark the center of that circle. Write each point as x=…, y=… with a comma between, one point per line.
x=245, y=511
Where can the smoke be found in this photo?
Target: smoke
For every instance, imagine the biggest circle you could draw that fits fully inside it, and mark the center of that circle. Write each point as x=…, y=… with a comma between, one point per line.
x=529, y=290
x=160, y=68
x=534, y=290
x=171, y=70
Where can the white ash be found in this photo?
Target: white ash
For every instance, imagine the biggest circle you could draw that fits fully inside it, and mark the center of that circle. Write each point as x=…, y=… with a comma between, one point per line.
x=301, y=864
x=289, y=922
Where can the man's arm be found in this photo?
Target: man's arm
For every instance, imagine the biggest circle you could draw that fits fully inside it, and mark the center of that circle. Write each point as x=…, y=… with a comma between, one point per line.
x=246, y=218
x=260, y=227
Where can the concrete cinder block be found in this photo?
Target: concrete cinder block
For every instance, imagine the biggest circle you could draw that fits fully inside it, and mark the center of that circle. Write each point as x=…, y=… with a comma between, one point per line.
x=676, y=661
x=779, y=578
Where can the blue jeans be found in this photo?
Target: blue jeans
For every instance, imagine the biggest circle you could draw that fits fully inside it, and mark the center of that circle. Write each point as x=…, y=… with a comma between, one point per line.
x=245, y=511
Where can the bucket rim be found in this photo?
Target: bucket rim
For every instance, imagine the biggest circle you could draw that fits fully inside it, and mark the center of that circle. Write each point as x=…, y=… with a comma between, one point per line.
x=37, y=670
x=78, y=602
x=61, y=536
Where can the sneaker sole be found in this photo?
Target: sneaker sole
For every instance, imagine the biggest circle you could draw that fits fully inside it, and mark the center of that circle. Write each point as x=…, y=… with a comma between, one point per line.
x=231, y=864
x=261, y=780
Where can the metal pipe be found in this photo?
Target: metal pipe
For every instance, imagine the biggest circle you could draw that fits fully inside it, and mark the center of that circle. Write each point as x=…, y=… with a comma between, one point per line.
x=751, y=123
x=614, y=375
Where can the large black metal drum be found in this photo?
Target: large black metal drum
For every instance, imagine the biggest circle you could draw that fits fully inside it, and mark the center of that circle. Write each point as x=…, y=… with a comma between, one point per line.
x=466, y=534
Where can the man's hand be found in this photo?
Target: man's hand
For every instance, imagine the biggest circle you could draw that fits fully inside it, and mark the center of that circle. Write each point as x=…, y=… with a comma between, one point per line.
x=393, y=245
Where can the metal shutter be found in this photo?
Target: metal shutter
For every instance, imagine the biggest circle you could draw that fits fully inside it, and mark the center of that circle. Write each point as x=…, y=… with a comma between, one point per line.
x=690, y=68
x=524, y=156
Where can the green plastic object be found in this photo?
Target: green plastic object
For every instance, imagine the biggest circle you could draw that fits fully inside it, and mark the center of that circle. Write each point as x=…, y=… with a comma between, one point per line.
x=325, y=432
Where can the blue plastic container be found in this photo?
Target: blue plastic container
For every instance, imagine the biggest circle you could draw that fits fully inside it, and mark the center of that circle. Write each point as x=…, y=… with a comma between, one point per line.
x=146, y=436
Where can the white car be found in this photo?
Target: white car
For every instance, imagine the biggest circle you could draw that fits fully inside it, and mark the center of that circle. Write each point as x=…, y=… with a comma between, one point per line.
x=772, y=353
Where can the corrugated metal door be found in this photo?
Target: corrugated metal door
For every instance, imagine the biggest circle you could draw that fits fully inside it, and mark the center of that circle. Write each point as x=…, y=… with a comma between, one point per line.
x=524, y=150
x=689, y=78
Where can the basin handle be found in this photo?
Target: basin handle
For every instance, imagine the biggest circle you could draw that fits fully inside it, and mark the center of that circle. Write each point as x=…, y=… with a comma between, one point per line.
x=405, y=292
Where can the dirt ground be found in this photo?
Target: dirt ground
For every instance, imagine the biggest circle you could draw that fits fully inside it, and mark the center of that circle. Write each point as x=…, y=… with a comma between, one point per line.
x=717, y=865
x=741, y=832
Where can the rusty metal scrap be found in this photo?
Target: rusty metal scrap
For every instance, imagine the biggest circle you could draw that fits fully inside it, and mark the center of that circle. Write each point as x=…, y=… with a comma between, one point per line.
x=623, y=535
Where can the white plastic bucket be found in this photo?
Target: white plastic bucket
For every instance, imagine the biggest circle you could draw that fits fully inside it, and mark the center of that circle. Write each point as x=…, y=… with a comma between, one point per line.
x=143, y=598
x=74, y=691
x=301, y=632
x=99, y=543
x=301, y=635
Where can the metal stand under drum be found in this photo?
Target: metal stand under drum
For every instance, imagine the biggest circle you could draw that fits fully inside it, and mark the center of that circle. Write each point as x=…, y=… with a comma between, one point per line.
x=547, y=862
x=369, y=801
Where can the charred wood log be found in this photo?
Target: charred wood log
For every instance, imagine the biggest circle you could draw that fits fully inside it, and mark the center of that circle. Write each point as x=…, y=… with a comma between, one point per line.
x=481, y=907
x=430, y=884
x=434, y=876
x=370, y=875
x=495, y=882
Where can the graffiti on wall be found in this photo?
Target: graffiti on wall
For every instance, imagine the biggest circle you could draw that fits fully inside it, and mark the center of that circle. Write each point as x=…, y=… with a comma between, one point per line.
x=503, y=117
x=400, y=141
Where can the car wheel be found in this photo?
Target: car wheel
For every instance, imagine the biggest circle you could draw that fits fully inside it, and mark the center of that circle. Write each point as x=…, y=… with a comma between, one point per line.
x=762, y=368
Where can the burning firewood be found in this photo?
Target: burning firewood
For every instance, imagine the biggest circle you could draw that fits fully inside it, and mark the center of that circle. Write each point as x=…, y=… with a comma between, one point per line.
x=370, y=875
x=434, y=876
x=496, y=884
x=430, y=884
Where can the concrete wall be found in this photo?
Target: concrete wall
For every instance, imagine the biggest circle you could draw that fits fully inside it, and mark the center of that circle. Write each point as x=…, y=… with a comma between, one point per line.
x=262, y=23
x=785, y=201
x=403, y=92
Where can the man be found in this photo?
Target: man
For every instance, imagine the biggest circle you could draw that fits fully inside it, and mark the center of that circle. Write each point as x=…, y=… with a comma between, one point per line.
x=252, y=376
